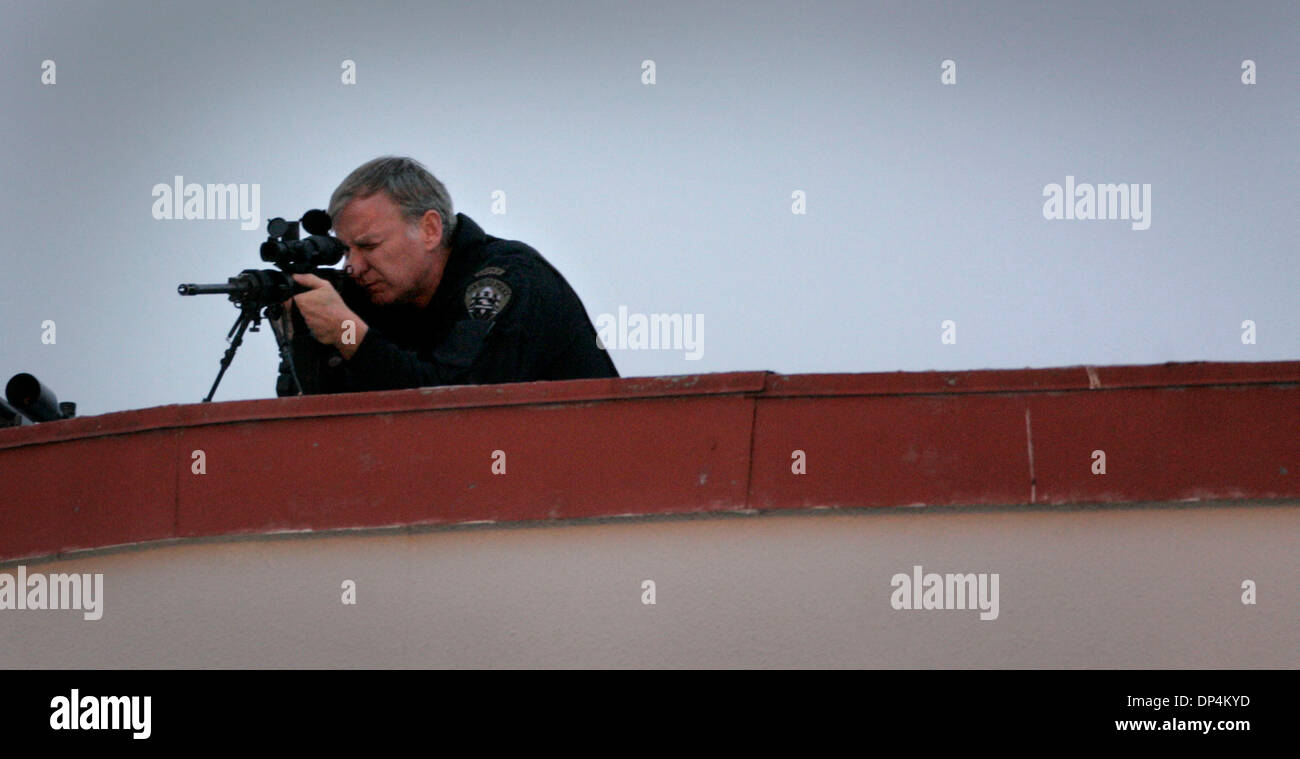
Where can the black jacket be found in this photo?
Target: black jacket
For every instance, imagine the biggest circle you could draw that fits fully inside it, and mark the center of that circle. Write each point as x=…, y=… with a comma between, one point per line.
x=501, y=313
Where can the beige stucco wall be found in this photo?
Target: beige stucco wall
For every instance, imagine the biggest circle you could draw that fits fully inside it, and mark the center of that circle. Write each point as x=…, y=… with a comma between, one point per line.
x=1156, y=586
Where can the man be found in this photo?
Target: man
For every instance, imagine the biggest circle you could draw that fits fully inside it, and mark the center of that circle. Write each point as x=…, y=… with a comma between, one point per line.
x=431, y=299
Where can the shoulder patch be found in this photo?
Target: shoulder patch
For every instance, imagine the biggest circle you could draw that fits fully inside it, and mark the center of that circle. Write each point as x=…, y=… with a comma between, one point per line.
x=491, y=271
x=486, y=297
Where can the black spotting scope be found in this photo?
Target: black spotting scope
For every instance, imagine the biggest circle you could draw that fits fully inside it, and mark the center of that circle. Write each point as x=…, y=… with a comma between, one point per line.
x=28, y=397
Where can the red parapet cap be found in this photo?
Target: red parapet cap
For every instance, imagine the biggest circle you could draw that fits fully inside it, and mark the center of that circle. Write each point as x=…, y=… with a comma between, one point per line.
x=1172, y=374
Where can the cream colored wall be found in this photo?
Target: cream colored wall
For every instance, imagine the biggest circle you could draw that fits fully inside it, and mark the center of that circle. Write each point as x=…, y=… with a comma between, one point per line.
x=1113, y=587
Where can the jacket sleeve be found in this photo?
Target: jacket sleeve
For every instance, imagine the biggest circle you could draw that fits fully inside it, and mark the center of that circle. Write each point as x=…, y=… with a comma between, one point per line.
x=505, y=333
x=380, y=364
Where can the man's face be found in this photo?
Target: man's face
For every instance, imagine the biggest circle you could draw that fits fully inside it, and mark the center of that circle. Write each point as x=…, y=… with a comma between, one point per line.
x=394, y=260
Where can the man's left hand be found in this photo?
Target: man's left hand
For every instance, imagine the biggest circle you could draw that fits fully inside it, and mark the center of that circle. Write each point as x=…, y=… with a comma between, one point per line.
x=327, y=316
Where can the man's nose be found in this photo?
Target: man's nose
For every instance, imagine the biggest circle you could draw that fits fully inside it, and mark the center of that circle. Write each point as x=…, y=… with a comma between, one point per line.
x=356, y=266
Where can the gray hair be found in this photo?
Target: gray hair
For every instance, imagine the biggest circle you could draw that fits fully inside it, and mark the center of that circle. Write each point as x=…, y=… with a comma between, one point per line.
x=412, y=187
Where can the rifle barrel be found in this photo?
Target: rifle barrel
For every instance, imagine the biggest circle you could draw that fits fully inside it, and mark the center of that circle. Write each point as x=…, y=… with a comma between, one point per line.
x=225, y=289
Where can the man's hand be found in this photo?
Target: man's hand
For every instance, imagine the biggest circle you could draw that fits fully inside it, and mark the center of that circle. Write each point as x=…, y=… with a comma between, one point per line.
x=330, y=320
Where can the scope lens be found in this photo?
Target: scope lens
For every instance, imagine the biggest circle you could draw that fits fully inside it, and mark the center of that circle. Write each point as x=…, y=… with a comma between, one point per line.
x=270, y=250
x=22, y=389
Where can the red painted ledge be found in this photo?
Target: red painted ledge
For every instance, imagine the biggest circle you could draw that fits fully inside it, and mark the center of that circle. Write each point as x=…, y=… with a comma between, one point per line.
x=659, y=445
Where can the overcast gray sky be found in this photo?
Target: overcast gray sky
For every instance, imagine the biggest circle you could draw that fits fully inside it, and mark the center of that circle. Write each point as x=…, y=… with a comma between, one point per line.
x=924, y=200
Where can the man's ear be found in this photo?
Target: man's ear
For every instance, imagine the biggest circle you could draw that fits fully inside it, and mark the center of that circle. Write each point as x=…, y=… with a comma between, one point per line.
x=431, y=230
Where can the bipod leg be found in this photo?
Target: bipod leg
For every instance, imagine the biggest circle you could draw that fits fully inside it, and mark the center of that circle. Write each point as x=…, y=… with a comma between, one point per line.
x=236, y=337
x=272, y=315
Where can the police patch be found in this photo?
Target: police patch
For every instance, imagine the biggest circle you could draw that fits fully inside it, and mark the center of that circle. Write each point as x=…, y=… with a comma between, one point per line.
x=491, y=271
x=486, y=298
